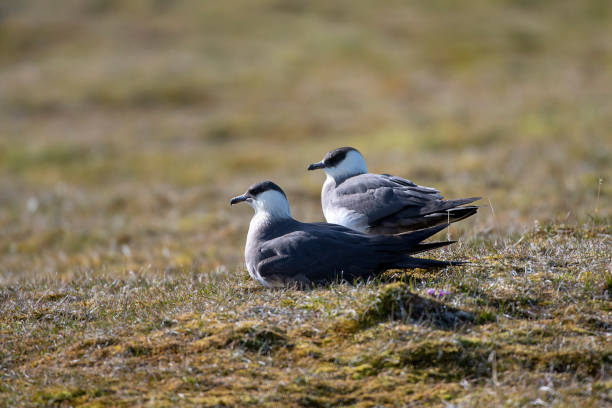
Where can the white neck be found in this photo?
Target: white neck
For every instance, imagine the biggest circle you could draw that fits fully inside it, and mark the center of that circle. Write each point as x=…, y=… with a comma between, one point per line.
x=352, y=165
x=272, y=205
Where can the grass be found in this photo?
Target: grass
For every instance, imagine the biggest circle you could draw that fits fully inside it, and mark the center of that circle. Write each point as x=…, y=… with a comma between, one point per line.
x=540, y=331
x=126, y=127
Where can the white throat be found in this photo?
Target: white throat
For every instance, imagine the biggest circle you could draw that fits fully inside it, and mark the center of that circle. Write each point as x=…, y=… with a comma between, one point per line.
x=352, y=165
x=271, y=204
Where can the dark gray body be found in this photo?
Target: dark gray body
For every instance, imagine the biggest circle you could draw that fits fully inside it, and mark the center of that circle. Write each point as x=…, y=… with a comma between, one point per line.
x=284, y=250
x=384, y=204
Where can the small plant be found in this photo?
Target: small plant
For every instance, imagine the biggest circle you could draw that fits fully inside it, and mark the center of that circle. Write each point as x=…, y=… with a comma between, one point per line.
x=438, y=293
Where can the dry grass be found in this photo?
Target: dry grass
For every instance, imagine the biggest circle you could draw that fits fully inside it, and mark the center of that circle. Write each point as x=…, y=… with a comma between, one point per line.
x=125, y=127
x=538, y=332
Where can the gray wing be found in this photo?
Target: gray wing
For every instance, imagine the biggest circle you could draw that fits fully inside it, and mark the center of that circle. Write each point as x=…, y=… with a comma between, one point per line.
x=408, y=183
x=321, y=252
x=381, y=195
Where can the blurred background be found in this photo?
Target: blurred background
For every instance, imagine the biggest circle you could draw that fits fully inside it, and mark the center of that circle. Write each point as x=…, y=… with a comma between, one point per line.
x=126, y=126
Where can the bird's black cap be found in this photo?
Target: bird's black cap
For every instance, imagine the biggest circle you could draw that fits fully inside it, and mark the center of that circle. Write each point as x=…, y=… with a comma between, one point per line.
x=263, y=186
x=332, y=158
x=255, y=190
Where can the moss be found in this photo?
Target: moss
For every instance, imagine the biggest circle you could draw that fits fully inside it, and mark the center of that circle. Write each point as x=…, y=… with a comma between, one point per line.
x=138, y=350
x=396, y=302
x=463, y=358
x=97, y=343
x=607, y=281
x=59, y=396
x=313, y=401
x=575, y=361
x=363, y=370
x=307, y=349
x=263, y=340
x=485, y=316
x=251, y=336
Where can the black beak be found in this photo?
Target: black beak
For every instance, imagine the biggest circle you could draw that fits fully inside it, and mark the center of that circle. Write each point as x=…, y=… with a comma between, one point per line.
x=315, y=166
x=239, y=199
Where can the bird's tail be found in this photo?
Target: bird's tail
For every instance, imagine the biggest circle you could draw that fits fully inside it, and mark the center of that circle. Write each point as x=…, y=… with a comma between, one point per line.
x=409, y=242
x=415, y=237
x=459, y=213
x=414, y=245
x=439, y=216
x=454, y=203
x=410, y=262
x=429, y=245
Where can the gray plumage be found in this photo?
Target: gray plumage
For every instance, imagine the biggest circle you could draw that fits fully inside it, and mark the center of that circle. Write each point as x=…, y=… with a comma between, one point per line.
x=280, y=249
x=381, y=203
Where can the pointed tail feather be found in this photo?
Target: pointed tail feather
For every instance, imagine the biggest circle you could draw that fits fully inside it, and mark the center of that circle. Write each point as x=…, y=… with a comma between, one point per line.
x=438, y=206
x=461, y=201
x=413, y=238
x=429, y=245
x=438, y=218
x=459, y=213
x=410, y=263
x=450, y=215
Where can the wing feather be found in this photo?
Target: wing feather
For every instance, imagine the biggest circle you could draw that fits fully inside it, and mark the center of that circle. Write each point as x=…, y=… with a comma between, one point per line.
x=379, y=195
x=320, y=254
x=385, y=199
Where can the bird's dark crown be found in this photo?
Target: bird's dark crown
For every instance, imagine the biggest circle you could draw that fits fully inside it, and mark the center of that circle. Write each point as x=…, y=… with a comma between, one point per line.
x=334, y=157
x=263, y=186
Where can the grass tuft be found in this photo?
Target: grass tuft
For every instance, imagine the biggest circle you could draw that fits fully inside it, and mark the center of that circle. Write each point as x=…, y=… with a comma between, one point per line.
x=395, y=301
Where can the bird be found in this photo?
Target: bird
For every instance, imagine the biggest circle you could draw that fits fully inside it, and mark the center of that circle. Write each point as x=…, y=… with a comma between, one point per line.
x=381, y=203
x=281, y=250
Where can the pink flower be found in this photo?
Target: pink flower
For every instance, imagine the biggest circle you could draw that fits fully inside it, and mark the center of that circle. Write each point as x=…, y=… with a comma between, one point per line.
x=443, y=293
x=439, y=293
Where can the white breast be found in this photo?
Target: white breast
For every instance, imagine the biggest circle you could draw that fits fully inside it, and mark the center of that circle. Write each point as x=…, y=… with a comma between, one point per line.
x=255, y=275
x=345, y=217
x=340, y=215
x=258, y=220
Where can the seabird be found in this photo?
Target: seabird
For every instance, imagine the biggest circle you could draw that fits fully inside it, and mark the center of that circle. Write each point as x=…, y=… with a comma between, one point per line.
x=381, y=203
x=281, y=250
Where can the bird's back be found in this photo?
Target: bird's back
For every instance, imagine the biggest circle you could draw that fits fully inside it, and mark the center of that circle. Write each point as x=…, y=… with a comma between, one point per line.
x=384, y=204
x=318, y=252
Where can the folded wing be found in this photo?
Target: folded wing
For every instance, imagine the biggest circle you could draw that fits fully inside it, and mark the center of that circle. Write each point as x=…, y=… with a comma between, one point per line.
x=325, y=252
x=393, y=204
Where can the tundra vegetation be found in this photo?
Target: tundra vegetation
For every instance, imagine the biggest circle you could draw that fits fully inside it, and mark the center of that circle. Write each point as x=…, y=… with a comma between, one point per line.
x=126, y=127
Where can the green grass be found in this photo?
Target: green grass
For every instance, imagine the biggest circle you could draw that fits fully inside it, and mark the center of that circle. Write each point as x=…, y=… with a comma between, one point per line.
x=126, y=127
x=210, y=338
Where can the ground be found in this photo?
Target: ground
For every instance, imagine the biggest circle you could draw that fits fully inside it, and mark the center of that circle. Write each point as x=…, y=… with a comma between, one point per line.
x=126, y=127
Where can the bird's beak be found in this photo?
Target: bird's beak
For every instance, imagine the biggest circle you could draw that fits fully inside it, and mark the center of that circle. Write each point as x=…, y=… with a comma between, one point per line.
x=315, y=166
x=239, y=199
